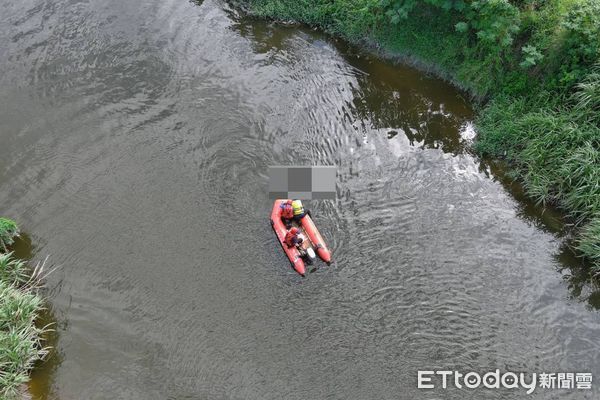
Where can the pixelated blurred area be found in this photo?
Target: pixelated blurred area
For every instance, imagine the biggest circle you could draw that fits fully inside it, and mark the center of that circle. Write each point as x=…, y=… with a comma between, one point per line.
x=302, y=182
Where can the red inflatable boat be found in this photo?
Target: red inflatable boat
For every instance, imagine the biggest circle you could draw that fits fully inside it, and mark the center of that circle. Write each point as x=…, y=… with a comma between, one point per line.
x=309, y=228
x=316, y=238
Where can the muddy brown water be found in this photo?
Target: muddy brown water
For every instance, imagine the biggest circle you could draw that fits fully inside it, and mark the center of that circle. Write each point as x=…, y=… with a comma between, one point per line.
x=135, y=140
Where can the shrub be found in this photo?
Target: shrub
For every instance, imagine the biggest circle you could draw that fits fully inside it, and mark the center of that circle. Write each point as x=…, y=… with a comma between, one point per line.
x=581, y=40
x=20, y=339
x=8, y=232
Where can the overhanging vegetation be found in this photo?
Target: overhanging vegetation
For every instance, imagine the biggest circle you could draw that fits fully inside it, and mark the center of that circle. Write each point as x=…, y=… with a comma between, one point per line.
x=20, y=305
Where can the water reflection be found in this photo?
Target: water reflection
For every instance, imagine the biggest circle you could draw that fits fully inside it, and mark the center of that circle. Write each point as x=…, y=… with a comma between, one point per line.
x=23, y=247
x=43, y=375
x=394, y=98
x=171, y=267
x=576, y=273
x=575, y=270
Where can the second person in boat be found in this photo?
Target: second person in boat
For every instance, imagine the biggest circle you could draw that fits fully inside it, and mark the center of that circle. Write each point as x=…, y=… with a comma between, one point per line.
x=292, y=238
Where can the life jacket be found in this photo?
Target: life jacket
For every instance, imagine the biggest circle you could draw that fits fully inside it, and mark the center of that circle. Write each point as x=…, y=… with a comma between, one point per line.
x=287, y=211
x=298, y=208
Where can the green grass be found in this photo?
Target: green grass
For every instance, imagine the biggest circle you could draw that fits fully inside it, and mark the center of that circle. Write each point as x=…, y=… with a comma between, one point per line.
x=555, y=148
x=534, y=66
x=8, y=232
x=589, y=243
x=20, y=340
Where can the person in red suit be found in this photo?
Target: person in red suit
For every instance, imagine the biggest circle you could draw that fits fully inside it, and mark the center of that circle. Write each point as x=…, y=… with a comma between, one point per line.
x=287, y=213
x=292, y=237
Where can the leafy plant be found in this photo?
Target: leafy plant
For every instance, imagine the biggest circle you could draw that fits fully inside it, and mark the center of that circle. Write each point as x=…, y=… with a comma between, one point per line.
x=531, y=56
x=20, y=340
x=461, y=27
x=589, y=242
x=8, y=232
x=495, y=23
x=581, y=40
x=587, y=96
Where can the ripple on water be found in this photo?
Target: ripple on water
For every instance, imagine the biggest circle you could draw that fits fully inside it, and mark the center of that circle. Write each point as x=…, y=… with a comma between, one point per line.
x=140, y=137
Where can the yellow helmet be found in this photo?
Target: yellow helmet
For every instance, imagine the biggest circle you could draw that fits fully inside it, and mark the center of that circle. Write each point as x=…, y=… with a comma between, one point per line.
x=297, y=207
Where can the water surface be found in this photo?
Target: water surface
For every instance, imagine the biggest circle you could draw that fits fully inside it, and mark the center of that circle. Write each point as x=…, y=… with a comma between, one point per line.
x=135, y=140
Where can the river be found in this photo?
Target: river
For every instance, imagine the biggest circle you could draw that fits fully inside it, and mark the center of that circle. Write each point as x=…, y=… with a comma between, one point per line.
x=135, y=141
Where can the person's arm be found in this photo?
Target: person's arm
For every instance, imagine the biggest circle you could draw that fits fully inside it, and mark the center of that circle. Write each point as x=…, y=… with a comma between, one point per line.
x=290, y=242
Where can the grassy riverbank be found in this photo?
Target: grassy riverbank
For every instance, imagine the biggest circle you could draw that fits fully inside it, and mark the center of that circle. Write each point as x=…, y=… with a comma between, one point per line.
x=20, y=306
x=533, y=65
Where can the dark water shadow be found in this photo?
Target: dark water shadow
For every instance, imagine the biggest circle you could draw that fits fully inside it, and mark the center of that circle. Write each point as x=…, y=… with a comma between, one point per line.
x=576, y=274
x=42, y=375
x=429, y=111
x=23, y=247
x=265, y=36
x=574, y=269
x=546, y=218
